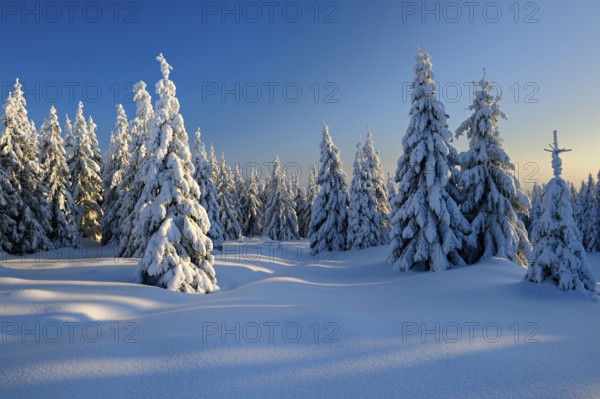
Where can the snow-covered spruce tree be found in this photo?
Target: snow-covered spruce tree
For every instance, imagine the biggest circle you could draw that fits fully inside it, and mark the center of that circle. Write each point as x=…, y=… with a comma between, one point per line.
x=579, y=208
x=252, y=208
x=239, y=183
x=10, y=206
x=86, y=185
x=25, y=216
x=299, y=205
x=588, y=214
x=34, y=135
x=262, y=190
x=63, y=211
x=228, y=203
x=70, y=142
x=115, y=163
x=132, y=183
x=573, y=190
x=364, y=221
x=176, y=255
x=305, y=212
x=375, y=171
x=214, y=165
x=208, y=191
x=392, y=191
x=536, y=207
x=94, y=142
x=427, y=224
x=493, y=194
x=280, y=221
x=558, y=254
x=329, y=218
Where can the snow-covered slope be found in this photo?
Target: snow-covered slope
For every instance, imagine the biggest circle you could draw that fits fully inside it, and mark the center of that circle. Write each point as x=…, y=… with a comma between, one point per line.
x=287, y=324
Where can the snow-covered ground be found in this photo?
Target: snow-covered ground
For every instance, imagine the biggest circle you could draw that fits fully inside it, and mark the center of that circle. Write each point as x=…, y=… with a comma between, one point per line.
x=288, y=325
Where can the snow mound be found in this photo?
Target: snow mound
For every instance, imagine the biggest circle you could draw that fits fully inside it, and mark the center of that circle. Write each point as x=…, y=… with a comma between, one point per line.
x=289, y=324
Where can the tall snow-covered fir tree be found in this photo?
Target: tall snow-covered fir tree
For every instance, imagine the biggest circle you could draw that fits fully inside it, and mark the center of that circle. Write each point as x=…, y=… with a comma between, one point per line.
x=86, y=185
x=558, y=254
x=427, y=223
x=115, y=163
x=208, y=191
x=375, y=171
x=329, y=219
x=252, y=208
x=228, y=203
x=279, y=220
x=132, y=183
x=588, y=215
x=177, y=253
x=24, y=214
x=493, y=194
x=305, y=213
x=365, y=227
x=63, y=211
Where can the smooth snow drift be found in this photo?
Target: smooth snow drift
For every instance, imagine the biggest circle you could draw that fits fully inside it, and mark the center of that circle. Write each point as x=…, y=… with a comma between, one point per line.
x=288, y=324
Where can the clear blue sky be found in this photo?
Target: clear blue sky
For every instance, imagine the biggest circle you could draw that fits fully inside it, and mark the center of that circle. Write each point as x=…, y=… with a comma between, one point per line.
x=363, y=58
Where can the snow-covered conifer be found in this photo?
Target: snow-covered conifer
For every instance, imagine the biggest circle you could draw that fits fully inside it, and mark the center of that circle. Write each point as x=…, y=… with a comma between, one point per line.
x=87, y=184
x=97, y=154
x=70, y=142
x=375, y=175
x=493, y=194
x=228, y=203
x=365, y=228
x=132, y=184
x=588, y=214
x=176, y=254
x=304, y=214
x=239, y=183
x=115, y=163
x=579, y=208
x=208, y=191
x=558, y=254
x=329, y=218
x=536, y=206
x=427, y=224
x=63, y=211
x=392, y=191
x=299, y=198
x=280, y=220
x=252, y=208
x=24, y=214
x=214, y=165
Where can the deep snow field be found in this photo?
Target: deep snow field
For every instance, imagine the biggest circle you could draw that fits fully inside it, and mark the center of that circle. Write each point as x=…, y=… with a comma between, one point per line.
x=73, y=325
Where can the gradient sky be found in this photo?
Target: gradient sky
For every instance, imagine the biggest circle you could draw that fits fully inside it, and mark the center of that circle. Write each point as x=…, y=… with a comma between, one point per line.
x=362, y=59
